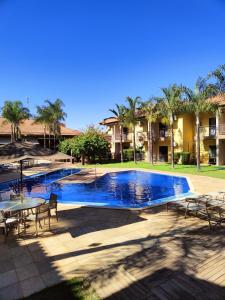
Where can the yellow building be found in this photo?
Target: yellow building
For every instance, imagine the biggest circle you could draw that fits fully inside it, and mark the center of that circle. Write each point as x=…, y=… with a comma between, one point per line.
x=212, y=134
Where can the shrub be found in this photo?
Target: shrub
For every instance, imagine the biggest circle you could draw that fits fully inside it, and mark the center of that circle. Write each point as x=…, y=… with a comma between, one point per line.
x=185, y=158
x=90, y=145
x=176, y=157
x=128, y=154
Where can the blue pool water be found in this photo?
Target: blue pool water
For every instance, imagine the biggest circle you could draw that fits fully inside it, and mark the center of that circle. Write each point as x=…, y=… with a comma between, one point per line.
x=126, y=189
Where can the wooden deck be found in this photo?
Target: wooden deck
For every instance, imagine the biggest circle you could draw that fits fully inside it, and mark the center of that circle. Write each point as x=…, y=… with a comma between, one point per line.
x=84, y=176
x=129, y=255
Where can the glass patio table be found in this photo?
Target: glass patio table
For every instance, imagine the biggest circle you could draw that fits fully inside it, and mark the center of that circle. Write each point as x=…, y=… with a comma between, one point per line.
x=18, y=205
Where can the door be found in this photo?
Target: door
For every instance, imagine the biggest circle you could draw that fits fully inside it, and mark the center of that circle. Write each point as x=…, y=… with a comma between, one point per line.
x=212, y=127
x=163, y=153
x=212, y=154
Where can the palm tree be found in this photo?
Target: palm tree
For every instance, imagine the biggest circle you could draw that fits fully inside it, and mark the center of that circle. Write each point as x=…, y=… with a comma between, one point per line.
x=119, y=113
x=169, y=106
x=14, y=112
x=57, y=116
x=219, y=76
x=132, y=118
x=198, y=103
x=151, y=114
x=44, y=117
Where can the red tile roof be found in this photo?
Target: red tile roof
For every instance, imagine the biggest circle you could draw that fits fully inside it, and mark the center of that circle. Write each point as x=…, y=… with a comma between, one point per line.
x=28, y=127
x=219, y=99
x=109, y=120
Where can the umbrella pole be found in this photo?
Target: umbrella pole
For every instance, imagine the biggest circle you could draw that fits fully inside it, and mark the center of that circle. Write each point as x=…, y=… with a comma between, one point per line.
x=21, y=175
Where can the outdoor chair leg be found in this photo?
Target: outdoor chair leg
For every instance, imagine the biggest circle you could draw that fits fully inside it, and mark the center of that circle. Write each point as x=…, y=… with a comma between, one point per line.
x=6, y=233
x=186, y=210
x=167, y=206
x=24, y=224
x=49, y=223
x=40, y=224
x=56, y=213
x=36, y=225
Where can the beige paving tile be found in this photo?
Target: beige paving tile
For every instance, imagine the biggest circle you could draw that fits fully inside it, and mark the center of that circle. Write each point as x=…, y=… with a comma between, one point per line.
x=51, y=278
x=45, y=266
x=8, y=278
x=22, y=259
x=32, y=285
x=19, y=250
x=27, y=271
x=38, y=255
x=6, y=265
x=11, y=292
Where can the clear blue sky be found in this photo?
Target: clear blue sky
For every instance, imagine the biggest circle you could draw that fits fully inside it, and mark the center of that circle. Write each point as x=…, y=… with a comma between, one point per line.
x=94, y=53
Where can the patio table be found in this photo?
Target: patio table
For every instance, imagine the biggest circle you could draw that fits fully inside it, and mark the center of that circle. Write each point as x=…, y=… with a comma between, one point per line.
x=26, y=203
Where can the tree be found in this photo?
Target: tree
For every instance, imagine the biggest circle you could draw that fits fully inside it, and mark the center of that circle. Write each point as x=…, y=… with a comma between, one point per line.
x=198, y=103
x=151, y=114
x=44, y=117
x=131, y=118
x=56, y=117
x=218, y=75
x=15, y=113
x=169, y=106
x=90, y=145
x=120, y=113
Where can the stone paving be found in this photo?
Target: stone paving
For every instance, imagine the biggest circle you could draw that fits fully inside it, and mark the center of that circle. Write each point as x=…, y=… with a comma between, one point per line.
x=149, y=254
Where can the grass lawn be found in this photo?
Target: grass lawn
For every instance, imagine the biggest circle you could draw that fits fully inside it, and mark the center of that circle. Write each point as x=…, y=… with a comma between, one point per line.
x=71, y=289
x=211, y=171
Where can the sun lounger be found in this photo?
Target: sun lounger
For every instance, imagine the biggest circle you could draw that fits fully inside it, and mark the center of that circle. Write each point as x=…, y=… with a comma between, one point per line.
x=210, y=207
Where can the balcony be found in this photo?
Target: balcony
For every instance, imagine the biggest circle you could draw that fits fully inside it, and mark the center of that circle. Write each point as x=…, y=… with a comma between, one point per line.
x=164, y=133
x=221, y=129
x=125, y=137
x=161, y=134
x=108, y=137
x=208, y=132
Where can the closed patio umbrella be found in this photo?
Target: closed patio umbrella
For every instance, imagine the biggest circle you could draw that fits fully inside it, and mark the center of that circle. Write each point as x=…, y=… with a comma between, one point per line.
x=19, y=151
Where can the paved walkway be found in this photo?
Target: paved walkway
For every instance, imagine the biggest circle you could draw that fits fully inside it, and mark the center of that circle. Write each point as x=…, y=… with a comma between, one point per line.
x=151, y=254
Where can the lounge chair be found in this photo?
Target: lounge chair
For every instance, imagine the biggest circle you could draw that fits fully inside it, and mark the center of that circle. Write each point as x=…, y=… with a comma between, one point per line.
x=216, y=215
x=196, y=206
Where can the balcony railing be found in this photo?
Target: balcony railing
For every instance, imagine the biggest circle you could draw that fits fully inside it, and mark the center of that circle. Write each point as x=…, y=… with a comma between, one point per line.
x=125, y=137
x=140, y=135
x=143, y=136
x=108, y=137
x=208, y=131
x=164, y=133
x=222, y=129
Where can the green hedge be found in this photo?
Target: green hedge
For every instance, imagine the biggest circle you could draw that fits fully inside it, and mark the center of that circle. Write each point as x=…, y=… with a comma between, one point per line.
x=185, y=158
x=176, y=157
x=128, y=154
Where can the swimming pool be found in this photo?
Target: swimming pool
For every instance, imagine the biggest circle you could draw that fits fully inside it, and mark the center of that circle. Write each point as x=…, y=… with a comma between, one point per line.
x=125, y=189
